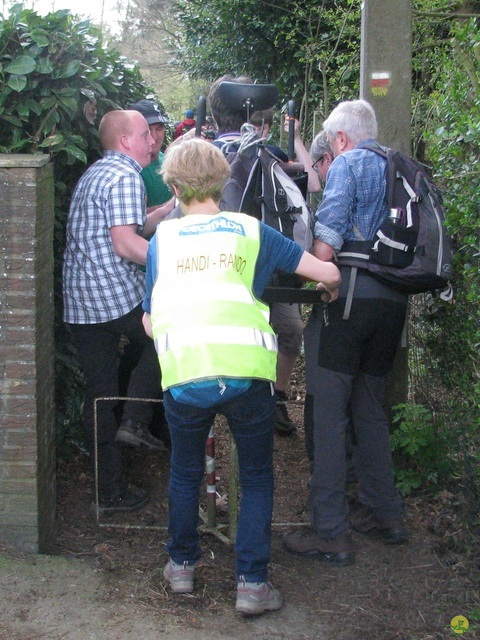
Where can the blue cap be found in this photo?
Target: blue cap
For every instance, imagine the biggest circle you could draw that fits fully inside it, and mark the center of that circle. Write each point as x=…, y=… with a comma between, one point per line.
x=190, y=114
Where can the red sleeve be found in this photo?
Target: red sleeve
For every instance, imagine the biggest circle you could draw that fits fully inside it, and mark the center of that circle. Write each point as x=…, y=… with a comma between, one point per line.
x=178, y=131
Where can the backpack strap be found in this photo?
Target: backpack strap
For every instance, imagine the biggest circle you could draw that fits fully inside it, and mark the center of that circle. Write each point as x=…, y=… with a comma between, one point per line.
x=351, y=289
x=394, y=244
x=413, y=198
x=392, y=176
x=356, y=249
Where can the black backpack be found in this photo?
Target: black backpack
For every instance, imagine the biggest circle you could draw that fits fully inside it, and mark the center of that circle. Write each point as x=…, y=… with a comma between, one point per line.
x=260, y=187
x=411, y=251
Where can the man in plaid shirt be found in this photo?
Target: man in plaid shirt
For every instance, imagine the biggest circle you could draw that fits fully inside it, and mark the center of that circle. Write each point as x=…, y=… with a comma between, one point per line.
x=103, y=288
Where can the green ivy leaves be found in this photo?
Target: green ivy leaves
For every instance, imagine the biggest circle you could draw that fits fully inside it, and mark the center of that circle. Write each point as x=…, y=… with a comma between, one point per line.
x=17, y=83
x=67, y=70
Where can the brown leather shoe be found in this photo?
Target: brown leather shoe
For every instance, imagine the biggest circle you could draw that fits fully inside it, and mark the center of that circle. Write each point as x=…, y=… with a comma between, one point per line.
x=307, y=544
x=391, y=531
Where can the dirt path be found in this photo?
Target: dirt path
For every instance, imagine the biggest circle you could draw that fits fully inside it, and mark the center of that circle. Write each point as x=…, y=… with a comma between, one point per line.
x=57, y=598
x=401, y=594
x=105, y=582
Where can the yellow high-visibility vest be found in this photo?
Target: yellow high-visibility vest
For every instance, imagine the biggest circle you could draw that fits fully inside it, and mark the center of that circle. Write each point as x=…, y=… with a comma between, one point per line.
x=206, y=320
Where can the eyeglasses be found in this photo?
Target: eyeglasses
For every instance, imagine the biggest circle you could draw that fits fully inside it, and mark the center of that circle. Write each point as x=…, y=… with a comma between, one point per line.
x=314, y=165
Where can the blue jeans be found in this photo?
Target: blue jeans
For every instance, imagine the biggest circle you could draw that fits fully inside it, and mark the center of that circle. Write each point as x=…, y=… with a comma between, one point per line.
x=251, y=418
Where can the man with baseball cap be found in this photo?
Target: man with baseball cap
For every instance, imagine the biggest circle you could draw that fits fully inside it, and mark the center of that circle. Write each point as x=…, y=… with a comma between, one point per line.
x=157, y=191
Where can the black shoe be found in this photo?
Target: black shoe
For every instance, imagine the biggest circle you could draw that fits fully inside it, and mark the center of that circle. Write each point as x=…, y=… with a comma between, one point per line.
x=390, y=531
x=283, y=424
x=306, y=544
x=137, y=434
x=131, y=500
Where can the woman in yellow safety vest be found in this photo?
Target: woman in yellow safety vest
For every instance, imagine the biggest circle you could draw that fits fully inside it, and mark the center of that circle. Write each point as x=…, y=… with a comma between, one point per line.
x=206, y=273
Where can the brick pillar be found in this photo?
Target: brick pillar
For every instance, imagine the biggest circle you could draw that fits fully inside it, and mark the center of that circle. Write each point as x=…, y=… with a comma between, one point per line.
x=27, y=432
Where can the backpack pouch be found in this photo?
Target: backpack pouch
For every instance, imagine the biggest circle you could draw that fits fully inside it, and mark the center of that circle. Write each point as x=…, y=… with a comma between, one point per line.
x=394, y=245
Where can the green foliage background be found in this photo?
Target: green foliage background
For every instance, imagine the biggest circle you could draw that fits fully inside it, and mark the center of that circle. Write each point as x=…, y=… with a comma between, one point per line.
x=309, y=49
x=453, y=341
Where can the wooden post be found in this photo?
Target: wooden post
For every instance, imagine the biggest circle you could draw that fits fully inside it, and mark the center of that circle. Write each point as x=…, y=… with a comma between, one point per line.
x=233, y=492
x=385, y=82
x=386, y=68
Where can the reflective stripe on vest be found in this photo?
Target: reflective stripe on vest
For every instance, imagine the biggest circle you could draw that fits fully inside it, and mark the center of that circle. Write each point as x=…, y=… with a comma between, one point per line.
x=206, y=320
x=180, y=338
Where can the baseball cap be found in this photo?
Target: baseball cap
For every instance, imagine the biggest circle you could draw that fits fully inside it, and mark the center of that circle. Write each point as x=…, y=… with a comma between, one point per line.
x=189, y=113
x=149, y=111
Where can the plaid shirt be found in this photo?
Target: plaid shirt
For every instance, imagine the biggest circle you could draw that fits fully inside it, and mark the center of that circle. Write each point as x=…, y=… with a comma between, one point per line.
x=354, y=199
x=98, y=285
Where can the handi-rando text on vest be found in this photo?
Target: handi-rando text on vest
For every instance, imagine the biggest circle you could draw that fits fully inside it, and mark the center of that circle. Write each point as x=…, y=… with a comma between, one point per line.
x=206, y=320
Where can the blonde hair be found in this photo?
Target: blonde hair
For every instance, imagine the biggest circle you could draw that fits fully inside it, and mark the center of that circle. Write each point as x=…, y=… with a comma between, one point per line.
x=197, y=168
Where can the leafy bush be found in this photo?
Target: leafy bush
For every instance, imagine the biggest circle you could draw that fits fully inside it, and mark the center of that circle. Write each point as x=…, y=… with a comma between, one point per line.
x=57, y=81
x=453, y=144
x=309, y=49
x=421, y=449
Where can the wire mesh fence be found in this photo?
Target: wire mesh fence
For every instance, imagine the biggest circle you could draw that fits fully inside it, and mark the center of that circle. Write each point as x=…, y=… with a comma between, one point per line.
x=454, y=410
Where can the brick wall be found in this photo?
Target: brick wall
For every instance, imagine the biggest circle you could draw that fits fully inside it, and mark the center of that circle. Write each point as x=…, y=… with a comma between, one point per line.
x=27, y=435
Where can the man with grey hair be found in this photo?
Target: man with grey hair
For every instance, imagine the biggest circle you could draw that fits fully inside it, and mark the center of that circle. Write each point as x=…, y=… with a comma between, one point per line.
x=350, y=353
x=322, y=155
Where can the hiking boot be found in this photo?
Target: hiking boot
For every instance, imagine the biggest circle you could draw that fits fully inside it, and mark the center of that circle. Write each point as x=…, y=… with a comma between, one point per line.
x=257, y=597
x=391, y=531
x=306, y=544
x=137, y=434
x=179, y=576
x=283, y=424
x=130, y=500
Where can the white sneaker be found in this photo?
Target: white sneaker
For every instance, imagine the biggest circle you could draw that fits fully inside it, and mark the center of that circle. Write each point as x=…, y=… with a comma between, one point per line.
x=180, y=576
x=254, y=598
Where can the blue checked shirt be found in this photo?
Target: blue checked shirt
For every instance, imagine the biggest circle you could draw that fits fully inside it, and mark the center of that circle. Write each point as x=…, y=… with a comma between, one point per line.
x=98, y=285
x=354, y=200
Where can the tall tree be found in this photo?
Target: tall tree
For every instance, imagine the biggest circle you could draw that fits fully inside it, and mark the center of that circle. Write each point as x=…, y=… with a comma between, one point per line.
x=309, y=49
x=150, y=35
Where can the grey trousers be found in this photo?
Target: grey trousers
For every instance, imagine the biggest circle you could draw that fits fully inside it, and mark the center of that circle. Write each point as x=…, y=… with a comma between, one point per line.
x=336, y=397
